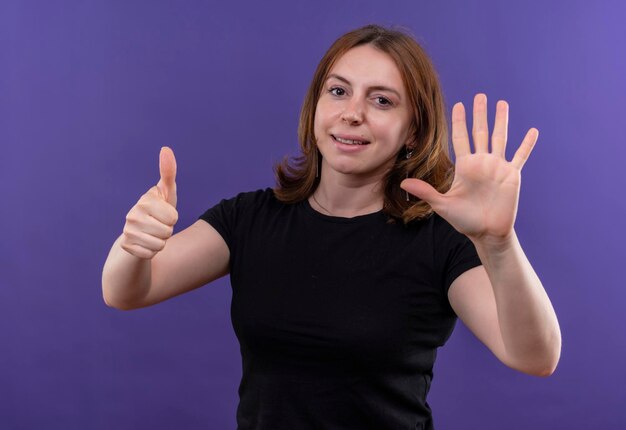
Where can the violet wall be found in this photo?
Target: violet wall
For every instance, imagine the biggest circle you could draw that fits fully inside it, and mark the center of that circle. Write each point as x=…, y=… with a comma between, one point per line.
x=89, y=92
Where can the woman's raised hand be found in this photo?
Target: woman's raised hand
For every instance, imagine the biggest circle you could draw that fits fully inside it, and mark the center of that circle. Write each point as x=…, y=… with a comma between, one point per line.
x=151, y=221
x=482, y=201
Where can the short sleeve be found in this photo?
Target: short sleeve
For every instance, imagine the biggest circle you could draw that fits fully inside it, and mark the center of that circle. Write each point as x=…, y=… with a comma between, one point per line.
x=454, y=253
x=233, y=217
x=223, y=218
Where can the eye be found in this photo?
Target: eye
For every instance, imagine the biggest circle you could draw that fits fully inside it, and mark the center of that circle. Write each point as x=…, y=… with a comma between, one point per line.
x=383, y=101
x=337, y=91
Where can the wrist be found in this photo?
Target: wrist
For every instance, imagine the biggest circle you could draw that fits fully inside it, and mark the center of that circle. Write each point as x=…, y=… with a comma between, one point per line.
x=495, y=245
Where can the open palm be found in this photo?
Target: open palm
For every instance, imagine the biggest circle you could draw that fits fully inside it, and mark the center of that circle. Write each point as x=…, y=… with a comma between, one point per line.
x=482, y=201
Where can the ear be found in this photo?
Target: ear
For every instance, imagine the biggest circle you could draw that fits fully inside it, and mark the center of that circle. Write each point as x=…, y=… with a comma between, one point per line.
x=411, y=143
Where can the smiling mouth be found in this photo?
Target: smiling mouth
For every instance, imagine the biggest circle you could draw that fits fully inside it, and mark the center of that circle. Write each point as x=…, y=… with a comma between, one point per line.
x=350, y=141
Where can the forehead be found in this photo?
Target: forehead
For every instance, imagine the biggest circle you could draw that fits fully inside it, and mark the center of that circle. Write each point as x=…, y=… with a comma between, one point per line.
x=369, y=66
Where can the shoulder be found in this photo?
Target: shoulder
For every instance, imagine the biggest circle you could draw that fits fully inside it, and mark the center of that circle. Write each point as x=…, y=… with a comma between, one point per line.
x=252, y=206
x=250, y=199
x=433, y=225
x=448, y=245
x=440, y=224
x=235, y=214
x=256, y=195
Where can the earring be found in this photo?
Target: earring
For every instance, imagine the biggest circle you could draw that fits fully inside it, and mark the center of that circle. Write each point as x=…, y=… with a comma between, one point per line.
x=317, y=163
x=409, y=153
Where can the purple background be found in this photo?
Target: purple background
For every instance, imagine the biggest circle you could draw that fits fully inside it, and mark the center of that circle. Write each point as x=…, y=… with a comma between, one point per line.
x=89, y=92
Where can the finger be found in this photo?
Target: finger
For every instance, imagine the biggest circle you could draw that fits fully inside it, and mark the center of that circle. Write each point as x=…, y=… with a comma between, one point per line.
x=156, y=228
x=499, y=136
x=524, y=150
x=144, y=240
x=157, y=208
x=167, y=166
x=480, y=128
x=422, y=190
x=138, y=251
x=460, y=138
x=159, y=229
x=167, y=170
x=166, y=215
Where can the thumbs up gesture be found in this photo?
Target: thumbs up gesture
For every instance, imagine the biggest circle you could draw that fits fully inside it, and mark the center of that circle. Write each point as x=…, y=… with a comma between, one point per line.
x=151, y=221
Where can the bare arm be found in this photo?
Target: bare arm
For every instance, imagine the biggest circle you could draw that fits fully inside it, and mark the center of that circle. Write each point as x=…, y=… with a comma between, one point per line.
x=503, y=302
x=190, y=259
x=146, y=264
x=505, y=305
x=125, y=277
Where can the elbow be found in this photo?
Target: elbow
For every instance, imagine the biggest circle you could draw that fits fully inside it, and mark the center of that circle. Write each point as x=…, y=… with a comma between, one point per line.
x=104, y=298
x=545, y=371
x=551, y=357
x=109, y=303
x=552, y=364
x=543, y=359
x=117, y=305
x=120, y=306
x=544, y=367
x=109, y=298
x=542, y=370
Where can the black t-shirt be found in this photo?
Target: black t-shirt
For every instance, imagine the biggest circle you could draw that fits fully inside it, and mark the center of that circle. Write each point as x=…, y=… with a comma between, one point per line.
x=338, y=319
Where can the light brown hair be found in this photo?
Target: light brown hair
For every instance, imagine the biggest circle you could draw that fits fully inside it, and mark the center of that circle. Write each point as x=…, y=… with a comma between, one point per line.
x=297, y=177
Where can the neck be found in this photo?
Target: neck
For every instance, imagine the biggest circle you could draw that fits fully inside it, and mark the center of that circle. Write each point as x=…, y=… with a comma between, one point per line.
x=347, y=197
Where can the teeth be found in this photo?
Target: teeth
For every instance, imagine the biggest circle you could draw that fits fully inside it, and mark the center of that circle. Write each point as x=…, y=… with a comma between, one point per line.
x=348, y=141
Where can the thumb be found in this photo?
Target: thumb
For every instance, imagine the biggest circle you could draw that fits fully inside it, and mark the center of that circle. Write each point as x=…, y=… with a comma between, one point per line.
x=422, y=190
x=167, y=170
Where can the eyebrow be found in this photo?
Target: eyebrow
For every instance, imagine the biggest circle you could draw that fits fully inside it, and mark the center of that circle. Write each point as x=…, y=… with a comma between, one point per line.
x=375, y=87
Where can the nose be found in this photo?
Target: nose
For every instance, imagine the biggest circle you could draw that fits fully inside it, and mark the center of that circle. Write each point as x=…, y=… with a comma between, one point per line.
x=353, y=113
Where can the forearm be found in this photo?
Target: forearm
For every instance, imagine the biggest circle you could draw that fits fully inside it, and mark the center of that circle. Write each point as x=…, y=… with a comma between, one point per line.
x=125, y=278
x=528, y=324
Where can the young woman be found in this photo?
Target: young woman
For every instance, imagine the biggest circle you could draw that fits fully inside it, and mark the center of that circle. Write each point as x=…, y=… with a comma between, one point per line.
x=350, y=273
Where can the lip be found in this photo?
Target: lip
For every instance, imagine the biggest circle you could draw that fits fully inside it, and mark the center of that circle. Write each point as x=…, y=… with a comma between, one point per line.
x=350, y=137
x=344, y=147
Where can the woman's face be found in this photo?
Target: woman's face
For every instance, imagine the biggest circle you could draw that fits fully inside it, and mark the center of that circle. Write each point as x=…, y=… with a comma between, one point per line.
x=362, y=116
